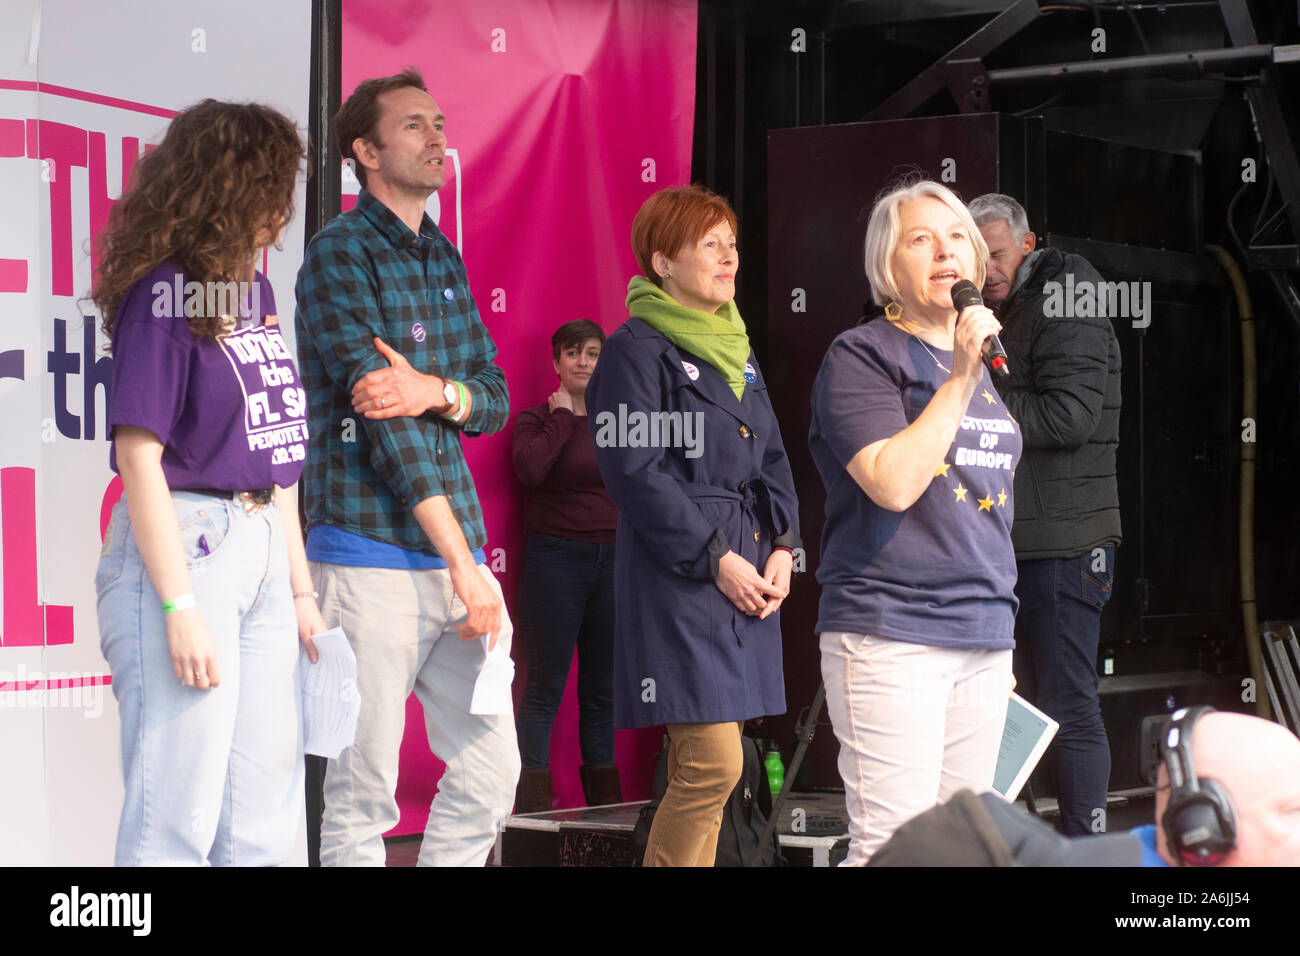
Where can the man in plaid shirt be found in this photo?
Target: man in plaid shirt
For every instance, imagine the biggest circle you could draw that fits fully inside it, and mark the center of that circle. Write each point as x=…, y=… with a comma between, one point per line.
x=397, y=365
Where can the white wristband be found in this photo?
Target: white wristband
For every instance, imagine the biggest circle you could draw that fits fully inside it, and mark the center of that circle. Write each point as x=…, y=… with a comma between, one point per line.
x=180, y=603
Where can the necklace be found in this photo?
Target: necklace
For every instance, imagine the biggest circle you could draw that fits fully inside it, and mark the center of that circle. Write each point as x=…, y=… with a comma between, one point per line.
x=932, y=355
x=896, y=320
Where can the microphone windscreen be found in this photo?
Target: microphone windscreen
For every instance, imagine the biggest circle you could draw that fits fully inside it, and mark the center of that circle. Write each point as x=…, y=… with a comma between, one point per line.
x=965, y=294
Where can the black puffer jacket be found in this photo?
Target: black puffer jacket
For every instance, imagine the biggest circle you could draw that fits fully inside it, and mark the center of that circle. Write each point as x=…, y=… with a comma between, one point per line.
x=1064, y=392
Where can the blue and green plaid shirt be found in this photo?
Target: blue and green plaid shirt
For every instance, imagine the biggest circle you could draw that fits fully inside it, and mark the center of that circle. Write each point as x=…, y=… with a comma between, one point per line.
x=366, y=275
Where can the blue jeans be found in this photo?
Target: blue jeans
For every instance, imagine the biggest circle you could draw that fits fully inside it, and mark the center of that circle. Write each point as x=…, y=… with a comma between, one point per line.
x=566, y=597
x=1057, y=632
x=211, y=776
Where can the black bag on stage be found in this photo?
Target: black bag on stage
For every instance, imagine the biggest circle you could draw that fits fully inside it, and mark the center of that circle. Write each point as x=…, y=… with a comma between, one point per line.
x=743, y=818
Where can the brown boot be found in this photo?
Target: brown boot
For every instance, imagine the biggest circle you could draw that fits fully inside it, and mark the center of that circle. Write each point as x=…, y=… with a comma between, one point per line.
x=534, y=792
x=600, y=785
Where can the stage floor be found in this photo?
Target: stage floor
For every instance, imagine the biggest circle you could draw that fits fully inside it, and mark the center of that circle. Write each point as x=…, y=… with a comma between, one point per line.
x=812, y=832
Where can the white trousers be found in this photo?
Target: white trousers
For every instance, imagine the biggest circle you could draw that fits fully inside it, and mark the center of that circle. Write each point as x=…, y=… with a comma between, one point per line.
x=401, y=626
x=915, y=724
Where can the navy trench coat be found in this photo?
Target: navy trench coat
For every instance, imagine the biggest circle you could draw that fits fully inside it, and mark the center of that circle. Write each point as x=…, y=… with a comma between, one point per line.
x=694, y=473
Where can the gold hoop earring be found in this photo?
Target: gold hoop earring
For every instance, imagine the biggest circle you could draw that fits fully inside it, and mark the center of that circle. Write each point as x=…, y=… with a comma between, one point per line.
x=893, y=311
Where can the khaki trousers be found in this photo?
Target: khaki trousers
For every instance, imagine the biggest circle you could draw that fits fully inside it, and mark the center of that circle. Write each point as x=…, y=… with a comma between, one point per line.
x=705, y=762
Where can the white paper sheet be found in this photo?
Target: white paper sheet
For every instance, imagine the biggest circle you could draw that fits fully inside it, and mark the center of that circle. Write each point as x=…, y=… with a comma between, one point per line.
x=330, y=699
x=492, y=688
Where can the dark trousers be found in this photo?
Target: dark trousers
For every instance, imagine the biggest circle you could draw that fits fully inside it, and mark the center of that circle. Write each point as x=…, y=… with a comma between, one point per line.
x=1057, y=631
x=566, y=598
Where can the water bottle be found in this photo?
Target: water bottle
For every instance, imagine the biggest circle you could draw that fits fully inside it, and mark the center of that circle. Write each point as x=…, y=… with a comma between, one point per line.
x=775, y=769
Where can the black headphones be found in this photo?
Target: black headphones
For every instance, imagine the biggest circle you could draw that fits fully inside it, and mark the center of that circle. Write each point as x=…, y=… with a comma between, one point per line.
x=1199, y=821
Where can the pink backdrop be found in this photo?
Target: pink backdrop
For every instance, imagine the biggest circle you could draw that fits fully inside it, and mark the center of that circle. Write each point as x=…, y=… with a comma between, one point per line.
x=566, y=115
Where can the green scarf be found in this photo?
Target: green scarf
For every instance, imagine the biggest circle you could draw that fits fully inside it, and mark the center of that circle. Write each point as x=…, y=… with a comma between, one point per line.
x=720, y=339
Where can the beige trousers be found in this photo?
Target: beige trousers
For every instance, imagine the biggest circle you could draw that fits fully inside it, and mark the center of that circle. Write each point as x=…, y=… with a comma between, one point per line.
x=401, y=624
x=705, y=762
x=915, y=724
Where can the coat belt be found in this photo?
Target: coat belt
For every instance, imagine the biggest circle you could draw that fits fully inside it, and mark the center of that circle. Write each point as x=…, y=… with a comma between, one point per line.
x=755, y=499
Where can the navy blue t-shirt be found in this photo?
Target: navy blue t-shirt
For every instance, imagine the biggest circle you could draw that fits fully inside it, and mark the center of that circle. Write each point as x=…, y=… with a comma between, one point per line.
x=941, y=572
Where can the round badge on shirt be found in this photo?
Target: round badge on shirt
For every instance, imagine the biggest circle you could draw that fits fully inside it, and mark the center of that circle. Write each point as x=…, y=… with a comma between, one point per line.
x=691, y=371
x=751, y=376
x=417, y=332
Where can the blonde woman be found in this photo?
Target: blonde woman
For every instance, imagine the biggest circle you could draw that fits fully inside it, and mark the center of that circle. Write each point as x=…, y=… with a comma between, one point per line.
x=916, y=450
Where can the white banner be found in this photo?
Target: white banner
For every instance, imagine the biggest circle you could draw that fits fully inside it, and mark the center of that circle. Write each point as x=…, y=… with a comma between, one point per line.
x=84, y=87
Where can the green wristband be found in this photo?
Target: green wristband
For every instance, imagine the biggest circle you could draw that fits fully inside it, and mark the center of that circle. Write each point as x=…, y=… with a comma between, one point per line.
x=179, y=603
x=462, y=399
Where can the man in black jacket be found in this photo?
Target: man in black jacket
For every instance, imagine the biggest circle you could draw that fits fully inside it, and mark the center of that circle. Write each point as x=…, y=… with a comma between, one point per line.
x=1064, y=392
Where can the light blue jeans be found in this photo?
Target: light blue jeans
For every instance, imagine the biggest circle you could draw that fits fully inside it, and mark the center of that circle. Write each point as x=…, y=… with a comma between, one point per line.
x=212, y=776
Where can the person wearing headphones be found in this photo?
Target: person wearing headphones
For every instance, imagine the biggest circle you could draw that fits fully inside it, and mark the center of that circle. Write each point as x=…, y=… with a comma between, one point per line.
x=1227, y=795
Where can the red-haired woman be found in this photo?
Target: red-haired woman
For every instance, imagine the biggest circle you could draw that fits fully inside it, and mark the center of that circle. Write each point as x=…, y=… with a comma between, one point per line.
x=203, y=586
x=690, y=451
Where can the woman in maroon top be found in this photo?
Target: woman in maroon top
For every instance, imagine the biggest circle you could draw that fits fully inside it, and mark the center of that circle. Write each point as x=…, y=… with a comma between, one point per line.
x=566, y=592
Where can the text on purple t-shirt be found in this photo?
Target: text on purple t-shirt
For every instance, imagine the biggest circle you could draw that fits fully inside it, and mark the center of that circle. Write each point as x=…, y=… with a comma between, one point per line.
x=231, y=414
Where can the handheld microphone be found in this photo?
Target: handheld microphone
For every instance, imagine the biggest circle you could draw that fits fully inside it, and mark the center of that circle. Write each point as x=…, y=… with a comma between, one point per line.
x=964, y=295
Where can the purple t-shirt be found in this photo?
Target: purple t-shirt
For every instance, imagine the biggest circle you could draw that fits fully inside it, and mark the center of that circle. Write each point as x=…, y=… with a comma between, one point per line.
x=231, y=414
x=943, y=571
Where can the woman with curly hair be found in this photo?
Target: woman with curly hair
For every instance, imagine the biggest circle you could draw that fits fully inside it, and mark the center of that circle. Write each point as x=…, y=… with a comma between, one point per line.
x=203, y=579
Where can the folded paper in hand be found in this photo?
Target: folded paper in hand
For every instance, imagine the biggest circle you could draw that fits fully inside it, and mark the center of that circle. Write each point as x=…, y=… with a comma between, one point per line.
x=492, y=688
x=330, y=699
